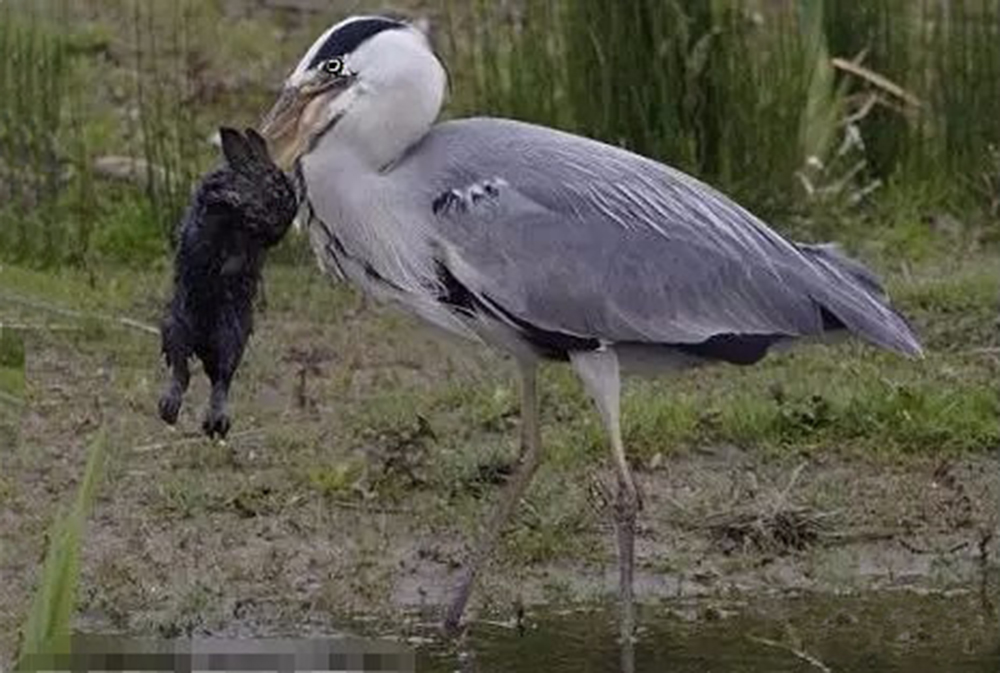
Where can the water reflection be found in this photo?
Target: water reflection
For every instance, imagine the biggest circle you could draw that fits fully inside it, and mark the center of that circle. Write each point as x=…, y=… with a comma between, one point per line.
x=887, y=632
x=628, y=657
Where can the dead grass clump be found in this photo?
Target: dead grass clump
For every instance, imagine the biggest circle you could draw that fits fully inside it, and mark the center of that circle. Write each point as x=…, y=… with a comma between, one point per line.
x=770, y=530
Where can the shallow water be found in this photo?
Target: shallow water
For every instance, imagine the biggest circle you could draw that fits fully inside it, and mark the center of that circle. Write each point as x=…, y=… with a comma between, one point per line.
x=884, y=632
x=902, y=631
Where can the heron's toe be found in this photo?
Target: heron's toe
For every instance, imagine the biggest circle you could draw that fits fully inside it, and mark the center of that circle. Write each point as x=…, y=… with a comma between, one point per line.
x=453, y=628
x=640, y=496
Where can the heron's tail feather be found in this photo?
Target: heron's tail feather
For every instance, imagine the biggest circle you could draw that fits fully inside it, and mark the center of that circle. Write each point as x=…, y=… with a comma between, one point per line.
x=859, y=301
x=831, y=256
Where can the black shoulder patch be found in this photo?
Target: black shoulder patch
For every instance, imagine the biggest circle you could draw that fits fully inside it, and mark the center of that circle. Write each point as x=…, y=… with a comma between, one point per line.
x=549, y=344
x=348, y=37
x=737, y=349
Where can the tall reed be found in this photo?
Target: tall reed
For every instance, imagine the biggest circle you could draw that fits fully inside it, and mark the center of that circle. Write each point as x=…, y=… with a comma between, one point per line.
x=713, y=88
x=167, y=113
x=964, y=38
x=50, y=212
x=34, y=78
x=750, y=95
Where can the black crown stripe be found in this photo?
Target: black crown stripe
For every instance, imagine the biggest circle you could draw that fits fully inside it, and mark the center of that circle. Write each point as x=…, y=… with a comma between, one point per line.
x=347, y=38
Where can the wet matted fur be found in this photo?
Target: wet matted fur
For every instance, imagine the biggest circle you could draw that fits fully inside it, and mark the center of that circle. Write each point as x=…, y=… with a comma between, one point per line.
x=237, y=213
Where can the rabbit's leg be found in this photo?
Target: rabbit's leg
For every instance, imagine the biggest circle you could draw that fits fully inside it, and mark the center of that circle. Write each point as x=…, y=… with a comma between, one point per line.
x=228, y=342
x=177, y=349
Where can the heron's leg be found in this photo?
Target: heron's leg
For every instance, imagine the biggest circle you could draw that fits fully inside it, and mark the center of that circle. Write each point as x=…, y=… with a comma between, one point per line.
x=600, y=375
x=527, y=464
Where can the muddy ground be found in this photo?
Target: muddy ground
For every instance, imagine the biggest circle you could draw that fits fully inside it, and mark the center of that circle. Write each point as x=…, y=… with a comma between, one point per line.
x=366, y=450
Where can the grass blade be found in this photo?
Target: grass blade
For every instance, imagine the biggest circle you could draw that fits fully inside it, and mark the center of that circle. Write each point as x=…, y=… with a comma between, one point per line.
x=47, y=629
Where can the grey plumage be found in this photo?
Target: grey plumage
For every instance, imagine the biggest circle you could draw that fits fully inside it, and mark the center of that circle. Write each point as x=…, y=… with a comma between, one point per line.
x=546, y=245
x=579, y=238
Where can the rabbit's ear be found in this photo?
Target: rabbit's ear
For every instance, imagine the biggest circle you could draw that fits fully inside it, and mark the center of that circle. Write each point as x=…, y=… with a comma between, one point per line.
x=258, y=145
x=235, y=148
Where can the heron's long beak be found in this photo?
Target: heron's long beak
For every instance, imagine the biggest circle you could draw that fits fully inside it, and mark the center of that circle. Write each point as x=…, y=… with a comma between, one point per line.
x=282, y=128
x=300, y=114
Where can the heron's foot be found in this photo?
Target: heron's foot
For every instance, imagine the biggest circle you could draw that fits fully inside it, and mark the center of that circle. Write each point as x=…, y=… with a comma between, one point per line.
x=628, y=655
x=605, y=497
x=640, y=497
x=170, y=406
x=216, y=423
x=629, y=500
x=453, y=629
x=626, y=507
x=453, y=625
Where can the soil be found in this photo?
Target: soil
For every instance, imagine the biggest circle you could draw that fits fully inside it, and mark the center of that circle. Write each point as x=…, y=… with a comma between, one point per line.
x=190, y=537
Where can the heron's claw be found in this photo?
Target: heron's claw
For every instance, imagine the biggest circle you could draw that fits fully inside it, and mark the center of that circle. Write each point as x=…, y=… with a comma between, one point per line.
x=454, y=628
x=640, y=495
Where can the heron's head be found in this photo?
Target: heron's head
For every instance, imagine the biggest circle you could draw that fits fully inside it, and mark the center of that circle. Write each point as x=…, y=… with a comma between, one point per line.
x=373, y=80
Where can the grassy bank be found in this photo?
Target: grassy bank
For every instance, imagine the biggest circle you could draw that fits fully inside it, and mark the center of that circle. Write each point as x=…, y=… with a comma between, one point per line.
x=347, y=414
x=824, y=396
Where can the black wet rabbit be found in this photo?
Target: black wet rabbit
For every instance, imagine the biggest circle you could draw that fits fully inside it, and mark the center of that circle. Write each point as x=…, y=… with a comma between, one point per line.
x=235, y=215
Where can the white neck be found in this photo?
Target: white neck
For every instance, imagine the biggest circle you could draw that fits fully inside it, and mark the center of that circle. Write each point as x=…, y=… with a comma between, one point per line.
x=393, y=105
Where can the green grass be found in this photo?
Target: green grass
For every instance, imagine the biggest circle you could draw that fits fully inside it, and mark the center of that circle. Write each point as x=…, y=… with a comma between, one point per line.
x=46, y=632
x=34, y=78
x=11, y=350
x=867, y=406
x=845, y=397
x=823, y=396
x=12, y=383
x=69, y=108
x=392, y=418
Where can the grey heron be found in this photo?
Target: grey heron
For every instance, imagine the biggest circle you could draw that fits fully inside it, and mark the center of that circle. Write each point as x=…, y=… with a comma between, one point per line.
x=546, y=245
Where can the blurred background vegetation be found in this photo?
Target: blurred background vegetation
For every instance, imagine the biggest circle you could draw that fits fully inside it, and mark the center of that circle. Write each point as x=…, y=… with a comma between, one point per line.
x=874, y=123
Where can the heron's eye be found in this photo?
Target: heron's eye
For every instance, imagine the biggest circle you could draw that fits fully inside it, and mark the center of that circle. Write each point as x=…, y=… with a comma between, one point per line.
x=333, y=66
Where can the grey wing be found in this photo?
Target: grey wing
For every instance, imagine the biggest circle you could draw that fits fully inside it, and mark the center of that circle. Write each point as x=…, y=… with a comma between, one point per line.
x=575, y=237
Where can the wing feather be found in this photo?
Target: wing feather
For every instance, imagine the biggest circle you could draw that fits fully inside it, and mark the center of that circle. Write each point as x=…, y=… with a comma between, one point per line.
x=591, y=240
